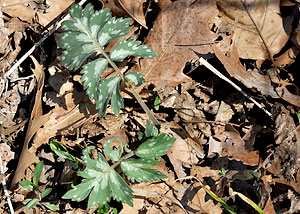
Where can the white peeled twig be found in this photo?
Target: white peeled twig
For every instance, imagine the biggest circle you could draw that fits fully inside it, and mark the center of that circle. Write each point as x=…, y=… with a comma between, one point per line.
x=5, y=187
x=219, y=74
x=22, y=59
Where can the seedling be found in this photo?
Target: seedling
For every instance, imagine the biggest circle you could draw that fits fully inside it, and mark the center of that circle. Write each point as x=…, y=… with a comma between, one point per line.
x=106, y=208
x=34, y=187
x=100, y=180
x=60, y=150
x=156, y=102
x=88, y=34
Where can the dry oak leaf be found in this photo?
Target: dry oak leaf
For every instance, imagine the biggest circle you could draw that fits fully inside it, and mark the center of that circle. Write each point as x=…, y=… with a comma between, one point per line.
x=256, y=24
x=133, y=8
x=61, y=119
x=179, y=26
x=37, y=119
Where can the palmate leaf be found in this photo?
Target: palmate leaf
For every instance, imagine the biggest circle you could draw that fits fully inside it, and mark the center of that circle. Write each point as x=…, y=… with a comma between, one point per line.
x=87, y=34
x=155, y=147
x=135, y=170
x=100, y=183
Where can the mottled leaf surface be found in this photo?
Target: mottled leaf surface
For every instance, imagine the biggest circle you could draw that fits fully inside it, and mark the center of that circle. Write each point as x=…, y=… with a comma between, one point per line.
x=136, y=77
x=86, y=35
x=88, y=32
x=129, y=47
x=109, y=88
x=91, y=73
x=113, y=154
x=100, y=183
x=155, y=147
x=135, y=170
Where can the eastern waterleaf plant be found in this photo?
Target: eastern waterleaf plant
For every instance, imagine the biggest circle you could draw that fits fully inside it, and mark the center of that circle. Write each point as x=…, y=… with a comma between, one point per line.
x=87, y=34
x=101, y=182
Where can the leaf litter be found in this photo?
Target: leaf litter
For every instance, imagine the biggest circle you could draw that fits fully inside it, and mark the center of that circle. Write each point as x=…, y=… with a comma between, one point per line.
x=222, y=141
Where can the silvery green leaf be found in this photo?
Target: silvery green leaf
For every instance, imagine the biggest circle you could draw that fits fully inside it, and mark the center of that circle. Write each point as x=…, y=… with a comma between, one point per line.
x=136, y=77
x=80, y=191
x=120, y=189
x=98, y=164
x=135, y=170
x=100, y=182
x=129, y=47
x=111, y=153
x=155, y=147
x=114, y=28
x=91, y=73
x=86, y=35
x=151, y=130
x=109, y=88
x=88, y=32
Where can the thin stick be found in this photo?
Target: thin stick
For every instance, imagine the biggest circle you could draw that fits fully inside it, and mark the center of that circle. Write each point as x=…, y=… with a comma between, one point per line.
x=5, y=187
x=218, y=73
x=22, y=59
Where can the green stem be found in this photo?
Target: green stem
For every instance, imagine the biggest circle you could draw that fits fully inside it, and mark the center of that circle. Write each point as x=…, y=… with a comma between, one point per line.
x=121, y=159
x=133, y=91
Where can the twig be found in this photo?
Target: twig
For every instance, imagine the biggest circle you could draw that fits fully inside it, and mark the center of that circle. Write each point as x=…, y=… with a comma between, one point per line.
x=210, y=121
x=24, y=57
x=219, y=74
x=5, y=187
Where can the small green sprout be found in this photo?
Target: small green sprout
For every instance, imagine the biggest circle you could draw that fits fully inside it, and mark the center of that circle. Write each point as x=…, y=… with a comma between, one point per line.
x=34, y=187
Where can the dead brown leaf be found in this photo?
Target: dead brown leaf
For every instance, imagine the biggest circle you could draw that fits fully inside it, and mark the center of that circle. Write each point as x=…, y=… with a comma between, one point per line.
x=229, y=57
x=60, y=118
x=46, y=11
x=197, y=202
x=35, y=122
x=6, y=155
x=135, y=9
x=248, y=158
x=179, y=25
x=258, y=27
x=11, y=34
x=287, y=154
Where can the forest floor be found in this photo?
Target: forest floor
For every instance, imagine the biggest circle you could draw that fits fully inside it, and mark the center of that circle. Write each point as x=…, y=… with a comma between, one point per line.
x=237, y=147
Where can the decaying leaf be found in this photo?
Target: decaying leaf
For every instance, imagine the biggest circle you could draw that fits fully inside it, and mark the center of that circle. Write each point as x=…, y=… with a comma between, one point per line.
x=287, y=154
x=60, y=118
x=229, y=56
x=35, y=122
x=11, y=34
x=179, y=25
x=6, y=155
x=46, y=11
x=256, y=24
x=135, y=9
x=185, y=151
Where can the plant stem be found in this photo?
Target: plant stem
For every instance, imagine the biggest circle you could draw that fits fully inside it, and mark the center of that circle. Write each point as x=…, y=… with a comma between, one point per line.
x=121, y=159
x=133, y=91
